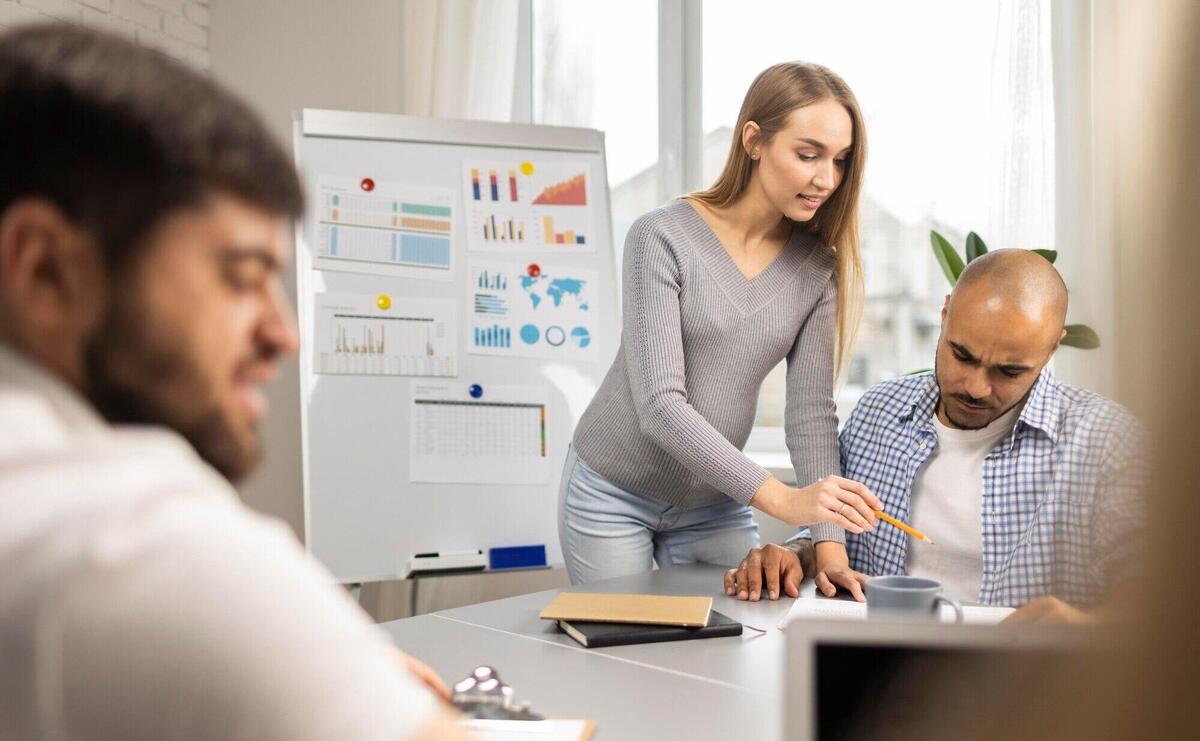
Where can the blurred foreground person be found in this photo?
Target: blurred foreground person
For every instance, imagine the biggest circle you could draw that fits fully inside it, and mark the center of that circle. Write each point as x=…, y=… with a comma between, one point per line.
x=143, y=216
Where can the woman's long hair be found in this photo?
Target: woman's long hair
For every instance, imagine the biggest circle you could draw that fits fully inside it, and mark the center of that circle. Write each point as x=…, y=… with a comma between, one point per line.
x=772, y=97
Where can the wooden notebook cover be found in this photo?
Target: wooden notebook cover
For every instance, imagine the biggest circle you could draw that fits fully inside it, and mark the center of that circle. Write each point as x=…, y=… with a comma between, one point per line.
x=647, y=609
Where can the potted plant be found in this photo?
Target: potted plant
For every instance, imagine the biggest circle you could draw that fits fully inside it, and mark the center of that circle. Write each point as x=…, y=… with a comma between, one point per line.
x=1078, y=335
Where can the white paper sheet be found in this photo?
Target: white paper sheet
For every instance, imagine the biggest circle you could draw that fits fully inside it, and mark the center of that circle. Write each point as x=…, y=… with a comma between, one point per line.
x=519, y=730
x=527, y=205
x=384, y=228
x=379, y=334
x=498, y=437
x=837, y=609
x=531, y=309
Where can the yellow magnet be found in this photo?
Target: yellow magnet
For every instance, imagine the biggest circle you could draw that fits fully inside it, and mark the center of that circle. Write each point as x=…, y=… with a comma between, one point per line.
x=384, y=301
x=526, y=168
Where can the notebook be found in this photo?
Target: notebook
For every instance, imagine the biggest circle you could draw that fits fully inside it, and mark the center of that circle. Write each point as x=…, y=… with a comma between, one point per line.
x=649, y=609
x=598, y=635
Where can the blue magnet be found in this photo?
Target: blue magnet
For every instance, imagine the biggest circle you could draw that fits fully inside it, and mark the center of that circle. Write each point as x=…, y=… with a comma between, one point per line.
x=475, y=391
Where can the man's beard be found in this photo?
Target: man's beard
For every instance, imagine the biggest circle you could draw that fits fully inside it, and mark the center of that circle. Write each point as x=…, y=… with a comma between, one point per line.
x=151, y=364
x=959, y=424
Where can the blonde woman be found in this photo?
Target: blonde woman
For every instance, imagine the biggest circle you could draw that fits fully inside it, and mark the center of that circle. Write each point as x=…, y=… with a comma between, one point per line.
x=719, y=287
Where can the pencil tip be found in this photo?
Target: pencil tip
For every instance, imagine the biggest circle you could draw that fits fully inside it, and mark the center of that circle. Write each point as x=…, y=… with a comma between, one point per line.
x=930, y=541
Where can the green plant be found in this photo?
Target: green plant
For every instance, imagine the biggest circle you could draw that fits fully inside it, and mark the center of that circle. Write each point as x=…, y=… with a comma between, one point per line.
x=1078, y=335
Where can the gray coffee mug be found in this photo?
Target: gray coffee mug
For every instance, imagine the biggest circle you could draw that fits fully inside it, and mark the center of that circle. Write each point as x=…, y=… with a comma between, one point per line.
x=907, y=596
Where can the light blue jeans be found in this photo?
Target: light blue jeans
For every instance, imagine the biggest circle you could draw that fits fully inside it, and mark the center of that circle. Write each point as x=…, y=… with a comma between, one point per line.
x=606, y=531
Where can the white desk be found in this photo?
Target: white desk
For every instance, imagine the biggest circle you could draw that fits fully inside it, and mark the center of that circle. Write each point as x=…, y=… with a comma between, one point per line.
x=715, y=688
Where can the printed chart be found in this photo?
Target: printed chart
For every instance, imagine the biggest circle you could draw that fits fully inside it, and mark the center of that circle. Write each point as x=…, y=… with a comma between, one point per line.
x=496, y=437
x=515, y=206
x=386, y=227
x=531, y=310
x=361, y=334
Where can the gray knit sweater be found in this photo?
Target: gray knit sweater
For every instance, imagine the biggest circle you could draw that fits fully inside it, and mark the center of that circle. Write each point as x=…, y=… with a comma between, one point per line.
x=672, y=415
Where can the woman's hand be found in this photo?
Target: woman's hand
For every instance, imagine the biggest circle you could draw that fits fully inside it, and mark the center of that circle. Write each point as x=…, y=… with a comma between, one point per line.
x=842, y=502
x=833, y=571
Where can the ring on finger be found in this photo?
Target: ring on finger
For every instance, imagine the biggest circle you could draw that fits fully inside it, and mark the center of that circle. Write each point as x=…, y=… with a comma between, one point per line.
x=843, y=509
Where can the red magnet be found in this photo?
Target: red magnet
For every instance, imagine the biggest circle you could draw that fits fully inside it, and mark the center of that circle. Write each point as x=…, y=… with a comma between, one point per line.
x=534, y=270
x=368, y=184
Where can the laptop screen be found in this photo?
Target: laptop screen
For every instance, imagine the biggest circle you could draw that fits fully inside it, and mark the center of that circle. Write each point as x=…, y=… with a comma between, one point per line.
x=875, y=691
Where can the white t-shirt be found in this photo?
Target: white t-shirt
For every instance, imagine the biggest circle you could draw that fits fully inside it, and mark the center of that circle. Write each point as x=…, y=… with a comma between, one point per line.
x=139, y=599
x=947, y=504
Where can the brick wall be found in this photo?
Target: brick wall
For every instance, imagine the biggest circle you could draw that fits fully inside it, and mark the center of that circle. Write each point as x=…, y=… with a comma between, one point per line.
x=176, y=27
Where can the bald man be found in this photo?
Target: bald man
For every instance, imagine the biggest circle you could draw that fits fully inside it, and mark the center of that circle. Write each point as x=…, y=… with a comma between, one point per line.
x=1029, y=487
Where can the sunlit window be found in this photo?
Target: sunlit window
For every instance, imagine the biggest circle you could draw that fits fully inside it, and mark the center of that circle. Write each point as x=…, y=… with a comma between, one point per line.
x=595, y=65
x=931, y=79
x=958, y=101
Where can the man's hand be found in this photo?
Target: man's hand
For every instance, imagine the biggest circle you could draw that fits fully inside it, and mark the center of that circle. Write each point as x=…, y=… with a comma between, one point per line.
x=833, y=571
x=1050, y=610
x=425, y=675
x=768, y=571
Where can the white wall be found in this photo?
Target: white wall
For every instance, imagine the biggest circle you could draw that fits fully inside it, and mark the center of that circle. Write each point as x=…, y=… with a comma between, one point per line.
x=177, y=27
x=282, y=56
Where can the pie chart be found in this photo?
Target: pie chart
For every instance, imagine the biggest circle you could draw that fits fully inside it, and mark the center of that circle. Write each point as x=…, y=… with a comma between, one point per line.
x=581, y=337
x=530, y=334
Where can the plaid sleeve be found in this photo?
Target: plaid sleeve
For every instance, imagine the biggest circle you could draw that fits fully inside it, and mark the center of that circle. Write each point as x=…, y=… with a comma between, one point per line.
x=1119, y=519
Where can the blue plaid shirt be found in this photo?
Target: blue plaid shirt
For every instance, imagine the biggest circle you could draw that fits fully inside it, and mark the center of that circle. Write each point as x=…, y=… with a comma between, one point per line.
x=1061, y=510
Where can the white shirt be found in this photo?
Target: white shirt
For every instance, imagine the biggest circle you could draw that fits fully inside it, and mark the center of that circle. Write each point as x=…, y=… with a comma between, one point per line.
x=947, y=504
x=139, y=599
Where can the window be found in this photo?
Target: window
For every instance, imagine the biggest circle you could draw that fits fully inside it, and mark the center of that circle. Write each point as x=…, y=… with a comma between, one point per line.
x=595, y=65
x=957, y=99
x=940, y=128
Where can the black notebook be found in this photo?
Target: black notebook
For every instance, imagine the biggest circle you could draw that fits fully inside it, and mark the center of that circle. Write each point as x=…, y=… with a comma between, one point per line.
x=598, y=635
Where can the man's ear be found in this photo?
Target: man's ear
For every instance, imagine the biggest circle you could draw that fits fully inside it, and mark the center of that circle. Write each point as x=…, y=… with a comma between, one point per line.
x=51, y=278
x=945, y=308
x=1062, y=336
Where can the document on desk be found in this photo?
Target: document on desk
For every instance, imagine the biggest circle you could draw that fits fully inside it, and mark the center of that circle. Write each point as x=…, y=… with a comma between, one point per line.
x=528, y=730
x=837, y=609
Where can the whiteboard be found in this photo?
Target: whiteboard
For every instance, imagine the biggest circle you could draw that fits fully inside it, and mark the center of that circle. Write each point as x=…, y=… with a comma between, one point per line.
x=382, y=420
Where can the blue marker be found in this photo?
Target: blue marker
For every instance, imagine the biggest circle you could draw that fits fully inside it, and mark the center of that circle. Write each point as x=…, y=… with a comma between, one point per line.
x=476, y=391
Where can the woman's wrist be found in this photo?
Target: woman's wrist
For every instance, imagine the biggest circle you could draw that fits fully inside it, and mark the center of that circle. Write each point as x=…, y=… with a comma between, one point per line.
x=767, y=498
x=831, y=553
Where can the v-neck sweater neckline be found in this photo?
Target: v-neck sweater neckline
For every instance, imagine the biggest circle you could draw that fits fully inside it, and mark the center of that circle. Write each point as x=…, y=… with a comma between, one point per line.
x=748, y=294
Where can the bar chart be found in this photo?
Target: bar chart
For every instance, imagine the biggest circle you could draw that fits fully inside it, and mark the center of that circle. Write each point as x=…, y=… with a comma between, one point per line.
x=410, y=338
x=495, y=336
x=495, y=185
x=553, y=236
x=489, y=304
x=493, y=280
x=499, y=229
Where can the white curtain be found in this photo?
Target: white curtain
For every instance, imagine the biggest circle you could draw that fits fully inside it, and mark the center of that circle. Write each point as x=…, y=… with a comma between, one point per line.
x=460, y=58
x=1022, y=212
x=1086, y=67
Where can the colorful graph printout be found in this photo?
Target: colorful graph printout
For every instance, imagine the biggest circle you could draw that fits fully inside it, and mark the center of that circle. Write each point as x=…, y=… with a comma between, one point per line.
x=497, y=438
x=569, y=192
x=354, y=335
x=390, y=228
x=547, y=315
x=527, y=206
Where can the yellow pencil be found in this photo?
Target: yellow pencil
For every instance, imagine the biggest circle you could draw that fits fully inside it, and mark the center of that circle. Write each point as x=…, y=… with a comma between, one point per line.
x=910, y=530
